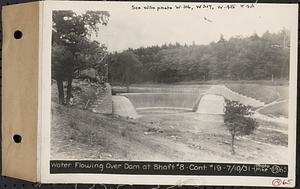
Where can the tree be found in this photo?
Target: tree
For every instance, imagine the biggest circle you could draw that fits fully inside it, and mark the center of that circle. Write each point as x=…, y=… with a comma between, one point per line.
x=72, y=47
x=124, y=66
x=238, y=120
x=62, y=69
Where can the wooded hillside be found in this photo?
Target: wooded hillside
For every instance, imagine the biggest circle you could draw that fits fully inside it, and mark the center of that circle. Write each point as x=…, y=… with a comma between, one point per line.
x=239, y=58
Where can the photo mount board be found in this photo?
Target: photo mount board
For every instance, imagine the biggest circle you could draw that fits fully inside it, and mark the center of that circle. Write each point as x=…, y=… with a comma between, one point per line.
x=38, y=161
x=20, y=91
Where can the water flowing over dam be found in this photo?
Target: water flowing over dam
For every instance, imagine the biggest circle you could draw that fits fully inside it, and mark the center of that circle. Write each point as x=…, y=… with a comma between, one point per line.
x=162, y=100
x=174, y=100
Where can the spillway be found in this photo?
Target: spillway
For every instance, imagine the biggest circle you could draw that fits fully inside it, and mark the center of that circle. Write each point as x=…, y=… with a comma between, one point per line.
x=211, y=104
x=122, y=106
x=162, y=100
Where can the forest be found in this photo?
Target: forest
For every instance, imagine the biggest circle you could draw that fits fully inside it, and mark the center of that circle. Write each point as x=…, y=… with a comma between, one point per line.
x=238, y=58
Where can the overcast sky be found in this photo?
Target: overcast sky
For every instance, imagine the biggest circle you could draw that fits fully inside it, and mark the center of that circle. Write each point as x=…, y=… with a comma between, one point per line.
x=145, y=28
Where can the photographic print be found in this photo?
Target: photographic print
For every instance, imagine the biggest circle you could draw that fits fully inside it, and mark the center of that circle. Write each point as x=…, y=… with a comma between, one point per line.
x=173, y=82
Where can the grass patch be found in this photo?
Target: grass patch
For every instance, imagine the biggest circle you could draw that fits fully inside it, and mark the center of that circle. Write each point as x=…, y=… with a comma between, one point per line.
x=70, y=125
x=270, y=137
x=264, y=93
x=270, y=133
x=278, y=110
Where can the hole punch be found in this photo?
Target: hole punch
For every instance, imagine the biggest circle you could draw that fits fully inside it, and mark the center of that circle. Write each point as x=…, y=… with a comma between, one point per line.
x=17, y=138
x=18, y=34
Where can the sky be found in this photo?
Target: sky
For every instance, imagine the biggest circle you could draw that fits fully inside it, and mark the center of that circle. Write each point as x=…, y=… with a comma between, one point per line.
x=129, y=28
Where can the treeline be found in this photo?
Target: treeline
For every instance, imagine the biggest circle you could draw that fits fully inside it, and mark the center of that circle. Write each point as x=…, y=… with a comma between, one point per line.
x=239, y=58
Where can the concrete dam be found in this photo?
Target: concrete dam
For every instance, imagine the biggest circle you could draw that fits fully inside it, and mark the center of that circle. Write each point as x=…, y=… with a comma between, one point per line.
x=207, y=101
x=132, y=104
